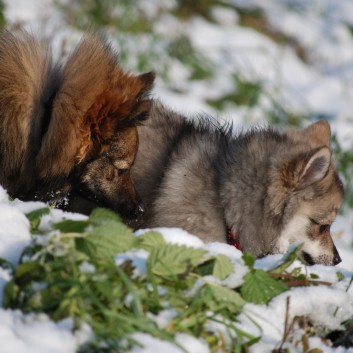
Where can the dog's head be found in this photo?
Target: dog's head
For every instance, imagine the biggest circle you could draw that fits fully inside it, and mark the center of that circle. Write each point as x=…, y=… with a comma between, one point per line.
x=309, y=196
x=92, y=136
x=106, y=179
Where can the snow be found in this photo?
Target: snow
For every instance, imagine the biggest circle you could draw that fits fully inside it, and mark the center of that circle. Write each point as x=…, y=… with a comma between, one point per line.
x=177, y=236
x=151, y=344
x=326, y=307
x=138, y=259
x=37, y=334
x=187, y=344
x=320, y=85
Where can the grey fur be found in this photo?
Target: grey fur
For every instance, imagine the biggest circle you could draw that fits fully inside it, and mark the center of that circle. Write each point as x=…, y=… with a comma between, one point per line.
x=199, y=176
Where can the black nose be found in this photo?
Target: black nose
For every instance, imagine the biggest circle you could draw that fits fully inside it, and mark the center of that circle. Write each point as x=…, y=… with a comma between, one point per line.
x=140, y=208
x=337, y=258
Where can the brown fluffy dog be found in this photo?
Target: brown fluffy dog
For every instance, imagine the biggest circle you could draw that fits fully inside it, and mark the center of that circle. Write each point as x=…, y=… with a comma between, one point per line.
x=69, y=131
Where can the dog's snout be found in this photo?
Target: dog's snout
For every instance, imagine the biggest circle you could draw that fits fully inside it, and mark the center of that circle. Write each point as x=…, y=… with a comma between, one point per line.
x=141, y=208
x=337, y=258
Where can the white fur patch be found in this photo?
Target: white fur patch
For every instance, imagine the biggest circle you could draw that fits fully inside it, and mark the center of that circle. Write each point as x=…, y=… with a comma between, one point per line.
x=294, y=232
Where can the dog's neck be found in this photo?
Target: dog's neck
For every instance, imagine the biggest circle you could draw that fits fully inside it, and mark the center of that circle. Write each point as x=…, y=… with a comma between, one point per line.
x=243, y=191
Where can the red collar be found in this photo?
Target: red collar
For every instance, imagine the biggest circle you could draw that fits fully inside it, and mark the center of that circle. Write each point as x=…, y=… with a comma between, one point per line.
x=233, y=238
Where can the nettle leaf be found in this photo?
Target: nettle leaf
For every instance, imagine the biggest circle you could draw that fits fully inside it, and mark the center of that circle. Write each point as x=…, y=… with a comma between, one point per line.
x=206, y=268
x=150, y=240
x=222, y=298
x=112, y=229
x=172, y=259
x=101, y=215
x=223, y=267
x=106, y=240
x=259, y=287
x=249, y=260
x=71, y=226
x=35, y=216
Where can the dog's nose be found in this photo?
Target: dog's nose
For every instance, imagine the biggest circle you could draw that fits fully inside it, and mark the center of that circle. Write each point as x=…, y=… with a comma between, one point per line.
x=141, y=208
x=336, y=257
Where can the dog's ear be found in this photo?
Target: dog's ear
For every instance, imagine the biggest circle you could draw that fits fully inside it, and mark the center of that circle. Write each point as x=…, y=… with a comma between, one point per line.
x=123, y=104
x=314, y=136
x=296, y=175
x=126, y=103
x=316, y=166
x=96, y=97
x=307, y=168
x=320, y=132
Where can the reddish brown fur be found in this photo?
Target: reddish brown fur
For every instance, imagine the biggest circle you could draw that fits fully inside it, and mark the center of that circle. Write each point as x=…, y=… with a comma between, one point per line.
x=24, y=71
x=95, y=97
x=69, y=130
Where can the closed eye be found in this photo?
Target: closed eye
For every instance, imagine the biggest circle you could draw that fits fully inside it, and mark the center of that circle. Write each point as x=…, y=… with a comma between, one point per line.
x=121, y=172
x=324, y=228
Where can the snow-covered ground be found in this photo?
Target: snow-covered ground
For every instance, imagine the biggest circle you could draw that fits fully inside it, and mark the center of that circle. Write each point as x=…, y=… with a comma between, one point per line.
x=320, y=85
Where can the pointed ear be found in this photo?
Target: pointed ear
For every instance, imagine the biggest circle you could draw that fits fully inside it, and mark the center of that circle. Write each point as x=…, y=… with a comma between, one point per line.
x=147, y=80
x=301, y=172
x=143, y=103
x=315, y=167
x=319, y=132
x=123, y=104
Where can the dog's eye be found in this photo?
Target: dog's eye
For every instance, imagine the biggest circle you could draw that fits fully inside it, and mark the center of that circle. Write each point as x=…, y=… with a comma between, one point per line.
x=121, y=172
x=324, y=228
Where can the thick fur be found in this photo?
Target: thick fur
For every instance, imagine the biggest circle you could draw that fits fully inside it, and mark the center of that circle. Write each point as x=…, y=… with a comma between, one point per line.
x=273, y=188
x=71, y=130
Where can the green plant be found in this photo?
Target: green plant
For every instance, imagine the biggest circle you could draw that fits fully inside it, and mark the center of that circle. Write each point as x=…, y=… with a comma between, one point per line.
x=87, y=270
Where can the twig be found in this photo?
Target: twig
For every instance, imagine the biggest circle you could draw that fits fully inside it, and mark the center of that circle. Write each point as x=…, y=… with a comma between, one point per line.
x=293, y=282
x=287, y=328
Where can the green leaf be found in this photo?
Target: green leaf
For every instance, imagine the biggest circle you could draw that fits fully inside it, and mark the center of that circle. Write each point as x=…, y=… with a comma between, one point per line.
x=29, y=271
x=71, y=226
x=222, y=298
x=314, y=276
x=105, y=241
x=101, y=215
x=7, y=265
x=172, y=259
x=340, y=276
x=223, y=267
x=288, y=259
x=259, y=287
x=104, y=288
x=150, y=240
x=35, y=216
x=249, y=260
x=11, y=292
x=206, y=267
x=112, y=228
